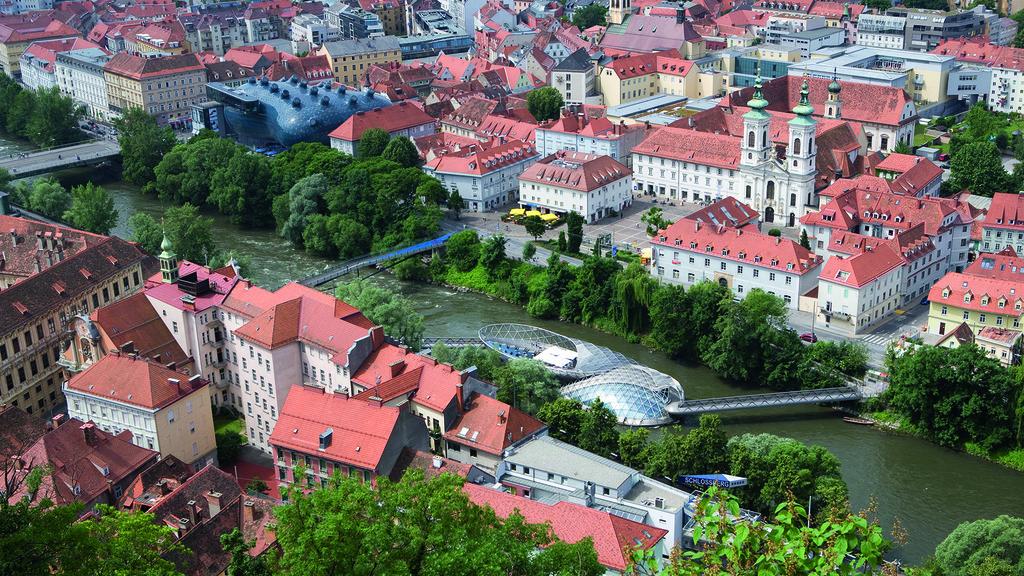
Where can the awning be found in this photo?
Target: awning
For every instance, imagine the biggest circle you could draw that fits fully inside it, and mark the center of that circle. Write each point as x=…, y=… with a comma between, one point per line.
x=517, y=211
x=646, y=253
x=548, y=217
x=722, y=480
x=533, y=213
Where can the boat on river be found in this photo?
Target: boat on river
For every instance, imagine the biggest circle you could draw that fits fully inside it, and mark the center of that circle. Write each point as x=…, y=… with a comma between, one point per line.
x=860, y=421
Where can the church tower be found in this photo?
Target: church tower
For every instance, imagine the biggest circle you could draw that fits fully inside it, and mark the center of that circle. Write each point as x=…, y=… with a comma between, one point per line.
x=802, y=149
x=755, y=148
x=168, y=262
x=834, y=106
x=617, y=11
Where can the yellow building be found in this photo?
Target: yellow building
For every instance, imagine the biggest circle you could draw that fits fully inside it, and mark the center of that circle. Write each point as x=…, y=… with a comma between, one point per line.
x=165, y=410
x=632, y=78
x=17, y=32
x=351, y=59
x=53, y=274
x=979, y=302
x=165, y=87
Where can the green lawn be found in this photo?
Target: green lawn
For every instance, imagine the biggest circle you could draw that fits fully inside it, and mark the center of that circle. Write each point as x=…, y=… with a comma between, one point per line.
x=228, y=424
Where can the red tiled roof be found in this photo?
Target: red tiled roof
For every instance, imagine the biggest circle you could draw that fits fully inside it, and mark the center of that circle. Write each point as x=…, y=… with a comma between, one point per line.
x=728, y=211
x=494, y=126
x=720, y=150
x=395, y=118
x=915, y=173
x=614, y=537
x=138, y=67
x=46, y=50
x=483, y=161
x=492, y=425
x=18, y=430
x=1006, y=212
x=220, y=282
x=135, y=320
x=740, y=245
x=436, y=382
x=650, y=34
x=835, y=10
x=575, y=171
x=986, y=294
x=361, y=429
x=136, y=381
x=663, y=62
x=862, y=268
x=1004, y=265
x=27, y=30
x=21, y=251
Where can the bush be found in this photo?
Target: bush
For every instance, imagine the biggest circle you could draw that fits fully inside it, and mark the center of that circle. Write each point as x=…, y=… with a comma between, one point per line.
x=257, y=485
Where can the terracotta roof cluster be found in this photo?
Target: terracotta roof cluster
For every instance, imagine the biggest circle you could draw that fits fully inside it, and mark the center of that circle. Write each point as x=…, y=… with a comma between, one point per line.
x=649, y=34
x=391, y=119
x=85, y=462
x=480, y=161
x=591, y=126
x=392, y=371
x=441, y=143
x=46, y=50
x=836, y=10
x=155, y=482
x=667, y=62
x=160, y=35
x=979, y=293
x=139, y=67
x=28, y=246
x=614, y=537
x=134, y=380
x=492, y=426
x=978, y=50
x=914, y=173
x=29, y=28
x=862, y=102
x=18, y=431
x=308, y=68
x=206, y=288
x=506, y=128
x=67, y=281
x=134, y=324
x=1004, y=265
x=743, y=245
x=575, y=171
x=726, y=212
x=1006, y=212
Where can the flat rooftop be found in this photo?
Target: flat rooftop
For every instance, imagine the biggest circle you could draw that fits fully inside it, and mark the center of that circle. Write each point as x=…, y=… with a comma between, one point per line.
x=551, y=455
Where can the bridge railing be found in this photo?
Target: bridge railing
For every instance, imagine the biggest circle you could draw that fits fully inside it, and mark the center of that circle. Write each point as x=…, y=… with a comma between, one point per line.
x=750, y=401
x=371, y=259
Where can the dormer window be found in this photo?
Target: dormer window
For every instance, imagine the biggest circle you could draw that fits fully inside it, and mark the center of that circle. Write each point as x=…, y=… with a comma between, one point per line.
x=898, y=219
x=693, y=245
x=967, y=297
x=945, y=293
x=984, y=300
x=1001, y=303
x=708, y=248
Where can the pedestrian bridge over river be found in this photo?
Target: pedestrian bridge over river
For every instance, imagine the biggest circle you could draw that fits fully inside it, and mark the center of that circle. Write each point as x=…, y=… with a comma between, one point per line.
x=349, y=266
x=50, y=159
x=685, y=408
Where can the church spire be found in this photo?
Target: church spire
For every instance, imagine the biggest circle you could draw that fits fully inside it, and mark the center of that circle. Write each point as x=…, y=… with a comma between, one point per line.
x=757, y=104
x=803, y=110
x=168, y=262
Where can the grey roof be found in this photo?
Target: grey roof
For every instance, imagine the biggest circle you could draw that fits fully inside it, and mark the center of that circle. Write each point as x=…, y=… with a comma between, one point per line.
x=816, y=33
x=361, y=46
x=575, y=62
x=551, y=455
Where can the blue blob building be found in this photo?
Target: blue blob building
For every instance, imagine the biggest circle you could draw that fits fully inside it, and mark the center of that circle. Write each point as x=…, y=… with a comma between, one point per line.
x=261, y=112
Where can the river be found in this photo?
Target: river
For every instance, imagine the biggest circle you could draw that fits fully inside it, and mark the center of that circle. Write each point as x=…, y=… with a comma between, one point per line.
x=929, y=489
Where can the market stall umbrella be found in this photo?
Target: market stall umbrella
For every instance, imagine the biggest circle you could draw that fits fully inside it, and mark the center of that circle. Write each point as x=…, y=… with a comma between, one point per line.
x=548, y=217
x=532, y=213
x=517, y=211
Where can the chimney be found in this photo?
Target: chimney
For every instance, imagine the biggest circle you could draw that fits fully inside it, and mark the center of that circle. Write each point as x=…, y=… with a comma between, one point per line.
x=213, y=501
x=680, y=15
x=57, y=420
x=248, y=512
x=438, y=462
x=191, y=504
x=14, y=237
x=176, y=383
x=171, y=365
x=396, y=367
x=39, y=240
x=89, y=432
x=501, y=417
x=458, y=395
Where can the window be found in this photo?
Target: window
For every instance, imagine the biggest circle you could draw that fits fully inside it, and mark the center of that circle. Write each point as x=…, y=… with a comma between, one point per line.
x=170, y=416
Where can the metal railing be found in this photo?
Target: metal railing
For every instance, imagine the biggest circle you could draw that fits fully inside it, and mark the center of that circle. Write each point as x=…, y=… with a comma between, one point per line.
x=372, y=259
x=752, y=401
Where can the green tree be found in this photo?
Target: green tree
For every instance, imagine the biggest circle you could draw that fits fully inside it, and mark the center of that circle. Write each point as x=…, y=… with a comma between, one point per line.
x=462, y=250
x=488, y=362
x=804, y=240
x=529, y=251
x=655, y=220
x=432, y=192
x=670, y=309
x=49, y=198
x=979, y=123
x=702, y=450
x=632, y=294
x=38, y=539
x=597, y=430
x=492, y=255
x=526, y=384
x=564, y=417
x=785, y=544
x=243, y=563
x=827, y=364
x=385, y=308
x=143, y=144
x=879, y=6
x=21, y=112
x=971, y=544
x=350, y=527
x=402, y=151
x=239, y=189
x=126, y=543
x=534, y=226
x=54, y=119
x=743, y=330
x=146, y=231
x=456, y=204
x=954, y=396
x=350, y=238
x=633, y=447
x=305, y=198
x=92, y=209
x=574, y=226
x=315, y=236
x=775, y=232
x=372, y=143
x=978, y=167
x=190, y=233
x=544, y=103
x=592, y=15
x=561, y=241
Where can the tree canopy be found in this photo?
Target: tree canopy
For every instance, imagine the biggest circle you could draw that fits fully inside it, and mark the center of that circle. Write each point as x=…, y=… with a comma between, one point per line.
x=591, y=15
x=143, y=145
x=46, y=117
x=996, y=542
x=385, y=308
x=544, y=103
x=92, y=209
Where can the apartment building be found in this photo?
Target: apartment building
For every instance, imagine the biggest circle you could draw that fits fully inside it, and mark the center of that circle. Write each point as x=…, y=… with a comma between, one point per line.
x=80, y=75
x=38, y=62
x=739, y=258
x=216, y=31
x=486, y=429
x=1003, y=224
x=577, y=132
x=575, y=78
x=165, y=87
x=978, y=301
x=353, y=22
x=882, y=31
x=402, y=119
x=352, y=59
x=391, y=14
x=165, y=410
x=486, y=178
x=307, y=31
x=590, y=185
x=50, y=275
x=18, y=32
x=634, y=77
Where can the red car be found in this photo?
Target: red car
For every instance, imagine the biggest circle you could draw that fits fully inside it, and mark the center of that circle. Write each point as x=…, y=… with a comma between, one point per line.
x=809, y=337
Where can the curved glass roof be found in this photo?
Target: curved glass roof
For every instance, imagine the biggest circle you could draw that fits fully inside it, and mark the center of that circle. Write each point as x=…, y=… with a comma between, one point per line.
x=636, y=394
x=566, y=357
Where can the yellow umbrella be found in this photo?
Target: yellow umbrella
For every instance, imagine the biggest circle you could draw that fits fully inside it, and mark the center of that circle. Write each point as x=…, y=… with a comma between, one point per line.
x=548, y=217
x=517, y=211
x=533, y=213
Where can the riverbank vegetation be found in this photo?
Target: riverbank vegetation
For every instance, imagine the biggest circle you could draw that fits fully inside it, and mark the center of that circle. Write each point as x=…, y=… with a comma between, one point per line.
x=959, y=398
x=319, y=198
x=87, y=207
x=45, y=117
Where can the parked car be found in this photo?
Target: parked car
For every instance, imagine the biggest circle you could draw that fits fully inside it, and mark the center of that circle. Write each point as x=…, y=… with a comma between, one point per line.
x=809, y=337
x=943, y=157
x=924, y=301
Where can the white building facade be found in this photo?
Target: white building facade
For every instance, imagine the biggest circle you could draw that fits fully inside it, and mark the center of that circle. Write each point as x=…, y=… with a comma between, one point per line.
x=592, y=186
x=79, y=74
x=486, y=179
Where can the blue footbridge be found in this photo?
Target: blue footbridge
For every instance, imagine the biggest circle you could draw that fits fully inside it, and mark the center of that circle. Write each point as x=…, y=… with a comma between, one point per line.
x=349, y=266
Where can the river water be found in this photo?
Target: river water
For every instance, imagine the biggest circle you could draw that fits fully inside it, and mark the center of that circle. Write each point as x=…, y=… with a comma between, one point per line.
x=930, y=490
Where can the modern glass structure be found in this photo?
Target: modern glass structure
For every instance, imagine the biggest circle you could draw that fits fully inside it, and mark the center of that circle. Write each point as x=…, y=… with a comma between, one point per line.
x=636, y=394
x=567, y=357
x=261, y=112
